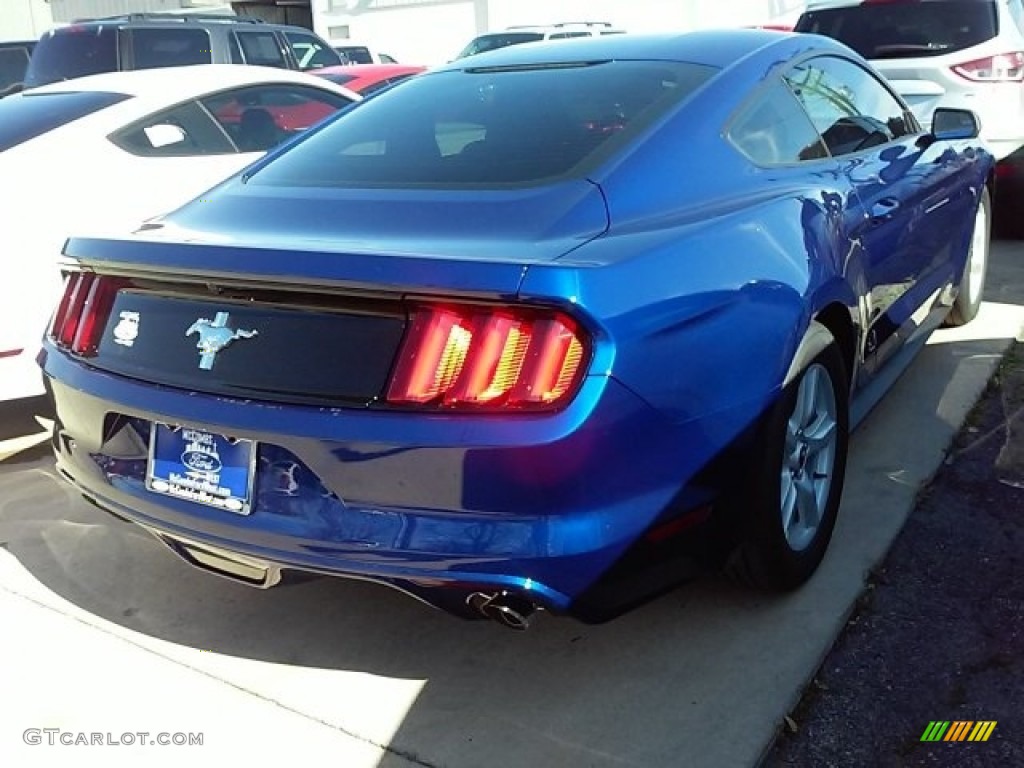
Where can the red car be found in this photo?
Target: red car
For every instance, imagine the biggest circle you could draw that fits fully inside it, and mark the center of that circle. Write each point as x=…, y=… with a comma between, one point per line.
x=367, y=78
x=290, y=113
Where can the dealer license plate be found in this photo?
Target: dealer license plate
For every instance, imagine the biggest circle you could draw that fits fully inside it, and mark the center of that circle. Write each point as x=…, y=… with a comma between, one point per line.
x=201, y=466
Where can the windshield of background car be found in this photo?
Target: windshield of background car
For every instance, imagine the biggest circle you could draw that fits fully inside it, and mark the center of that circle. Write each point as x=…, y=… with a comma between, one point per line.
x=897, y=30
x=499, y=40
x=73, y=52
x=488, y=127
x=28, y=114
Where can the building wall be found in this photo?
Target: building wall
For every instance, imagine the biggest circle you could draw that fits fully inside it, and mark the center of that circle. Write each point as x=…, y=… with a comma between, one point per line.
x=434, y=31
x=24, y=19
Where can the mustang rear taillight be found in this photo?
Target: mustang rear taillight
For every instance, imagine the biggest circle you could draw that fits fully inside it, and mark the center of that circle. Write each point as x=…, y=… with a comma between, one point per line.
x=488, y=358
x=1004, y=68
x=83, y=311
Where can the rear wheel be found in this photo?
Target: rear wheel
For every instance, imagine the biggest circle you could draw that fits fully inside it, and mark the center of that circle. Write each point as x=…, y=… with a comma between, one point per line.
x=788, y=509
x=972, y=284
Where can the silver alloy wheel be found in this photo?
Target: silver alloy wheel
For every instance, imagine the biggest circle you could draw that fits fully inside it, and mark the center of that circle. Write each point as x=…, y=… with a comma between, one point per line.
x=977, y=258
x=808, y=465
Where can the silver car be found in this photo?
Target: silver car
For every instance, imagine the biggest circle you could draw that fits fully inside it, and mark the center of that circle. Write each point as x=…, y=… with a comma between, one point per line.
x=967, y=54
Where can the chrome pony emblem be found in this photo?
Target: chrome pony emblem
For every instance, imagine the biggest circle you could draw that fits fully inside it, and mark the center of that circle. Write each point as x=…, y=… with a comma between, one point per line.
x=214, y=336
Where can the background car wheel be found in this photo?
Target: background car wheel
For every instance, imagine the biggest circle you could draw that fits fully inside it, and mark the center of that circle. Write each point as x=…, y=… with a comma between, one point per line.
x=791, y=500
x=972, y=284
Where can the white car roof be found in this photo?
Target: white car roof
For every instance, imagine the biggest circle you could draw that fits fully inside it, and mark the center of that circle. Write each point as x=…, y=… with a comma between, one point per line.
x=173, y=84
x=819, y=5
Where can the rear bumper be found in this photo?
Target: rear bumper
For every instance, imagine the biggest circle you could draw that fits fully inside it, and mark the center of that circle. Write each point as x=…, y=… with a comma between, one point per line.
x=440, y=507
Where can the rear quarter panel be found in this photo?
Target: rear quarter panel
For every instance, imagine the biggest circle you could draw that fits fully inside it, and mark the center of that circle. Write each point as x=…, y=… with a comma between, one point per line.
x=712, y=268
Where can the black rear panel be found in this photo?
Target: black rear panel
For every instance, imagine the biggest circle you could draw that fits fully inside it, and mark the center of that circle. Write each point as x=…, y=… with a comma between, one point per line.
x=317, y=353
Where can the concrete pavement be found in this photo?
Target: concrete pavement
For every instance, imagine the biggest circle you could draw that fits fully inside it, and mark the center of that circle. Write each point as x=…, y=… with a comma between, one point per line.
x=102, y=630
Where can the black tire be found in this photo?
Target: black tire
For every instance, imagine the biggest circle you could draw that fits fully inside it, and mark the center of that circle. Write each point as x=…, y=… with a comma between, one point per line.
x=765, y=557
x=972, y=284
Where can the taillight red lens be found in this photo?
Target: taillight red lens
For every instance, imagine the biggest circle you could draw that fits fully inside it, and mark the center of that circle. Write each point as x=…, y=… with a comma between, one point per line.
x=83, y=311
x=95, y=314
x=1003, y=68
x=480, y=357
x=75, y=294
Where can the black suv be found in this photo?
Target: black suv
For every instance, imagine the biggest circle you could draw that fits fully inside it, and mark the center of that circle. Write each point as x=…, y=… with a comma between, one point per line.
x=150, y=40
x=13, y=61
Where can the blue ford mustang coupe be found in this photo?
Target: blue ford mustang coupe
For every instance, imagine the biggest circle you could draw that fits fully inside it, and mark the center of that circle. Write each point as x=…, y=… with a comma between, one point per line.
x=538, y=329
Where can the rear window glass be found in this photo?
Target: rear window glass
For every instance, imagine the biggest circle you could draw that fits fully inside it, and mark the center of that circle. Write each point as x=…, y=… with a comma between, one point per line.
x=27, y=115
x=499, y=40
x=73, y=52
x=488, y=127
x=154, y=48
x=906, y=30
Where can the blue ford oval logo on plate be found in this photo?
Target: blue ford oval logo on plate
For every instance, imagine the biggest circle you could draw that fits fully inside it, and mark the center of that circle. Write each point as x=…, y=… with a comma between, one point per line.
x=201, y=461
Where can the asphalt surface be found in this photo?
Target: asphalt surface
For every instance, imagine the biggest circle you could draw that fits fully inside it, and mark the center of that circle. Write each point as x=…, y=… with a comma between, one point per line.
x=939, y=631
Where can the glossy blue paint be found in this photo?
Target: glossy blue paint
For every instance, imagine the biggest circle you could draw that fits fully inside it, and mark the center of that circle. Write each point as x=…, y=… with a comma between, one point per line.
x=694, y=272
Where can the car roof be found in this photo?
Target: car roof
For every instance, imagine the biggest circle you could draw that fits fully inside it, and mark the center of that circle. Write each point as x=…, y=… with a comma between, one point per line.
x=172, y=18
x=368, y=70
x=179, y=83
x=715, y=48
x=561, y=25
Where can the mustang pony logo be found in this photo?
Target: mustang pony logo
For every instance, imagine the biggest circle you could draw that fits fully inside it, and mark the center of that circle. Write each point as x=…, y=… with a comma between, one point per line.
x=214, y=335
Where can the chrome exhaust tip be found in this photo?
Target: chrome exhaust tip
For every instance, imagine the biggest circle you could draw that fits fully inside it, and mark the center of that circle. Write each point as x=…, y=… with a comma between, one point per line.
x=504, y=608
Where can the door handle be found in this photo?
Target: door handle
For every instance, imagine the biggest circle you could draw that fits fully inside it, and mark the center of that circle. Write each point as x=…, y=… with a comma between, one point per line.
x=884, y=209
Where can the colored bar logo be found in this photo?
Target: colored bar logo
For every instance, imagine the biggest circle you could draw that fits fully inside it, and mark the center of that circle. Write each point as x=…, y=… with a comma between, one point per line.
x=958, y=730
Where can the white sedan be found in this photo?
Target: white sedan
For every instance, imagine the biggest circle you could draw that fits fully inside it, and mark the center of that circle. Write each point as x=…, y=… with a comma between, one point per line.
x=106, y=152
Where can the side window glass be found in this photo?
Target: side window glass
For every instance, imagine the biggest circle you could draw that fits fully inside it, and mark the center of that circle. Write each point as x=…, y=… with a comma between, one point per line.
x=1017, y=14
x=261, y=48
x=154, y=48
x=848, y=105
x=310, y=52
x=182, y=131
x=774, y=130
x=260, y=117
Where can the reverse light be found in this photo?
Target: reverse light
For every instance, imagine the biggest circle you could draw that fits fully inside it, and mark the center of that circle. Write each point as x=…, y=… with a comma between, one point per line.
x=83, y=311
x=488, y=358
x=1003, y=68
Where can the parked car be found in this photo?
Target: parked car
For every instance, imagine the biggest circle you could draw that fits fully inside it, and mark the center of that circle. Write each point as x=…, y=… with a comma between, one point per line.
x=14, y=56
x=535, y=33
x=528, y=330
x=109, y=150
x=355, y=53
x=944, y=53
x=152, y=40
x=367, y=78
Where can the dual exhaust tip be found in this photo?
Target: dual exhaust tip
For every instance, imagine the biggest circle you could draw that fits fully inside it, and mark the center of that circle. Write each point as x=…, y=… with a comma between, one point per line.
x=504, y=608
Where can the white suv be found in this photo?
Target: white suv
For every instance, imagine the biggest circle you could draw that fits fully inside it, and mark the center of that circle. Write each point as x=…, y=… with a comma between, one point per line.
x=531, y=34
x=967, y=54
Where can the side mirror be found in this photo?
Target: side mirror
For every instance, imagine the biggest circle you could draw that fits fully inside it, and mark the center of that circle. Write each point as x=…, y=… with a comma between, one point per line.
x=949, y=124
x=164, y=134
